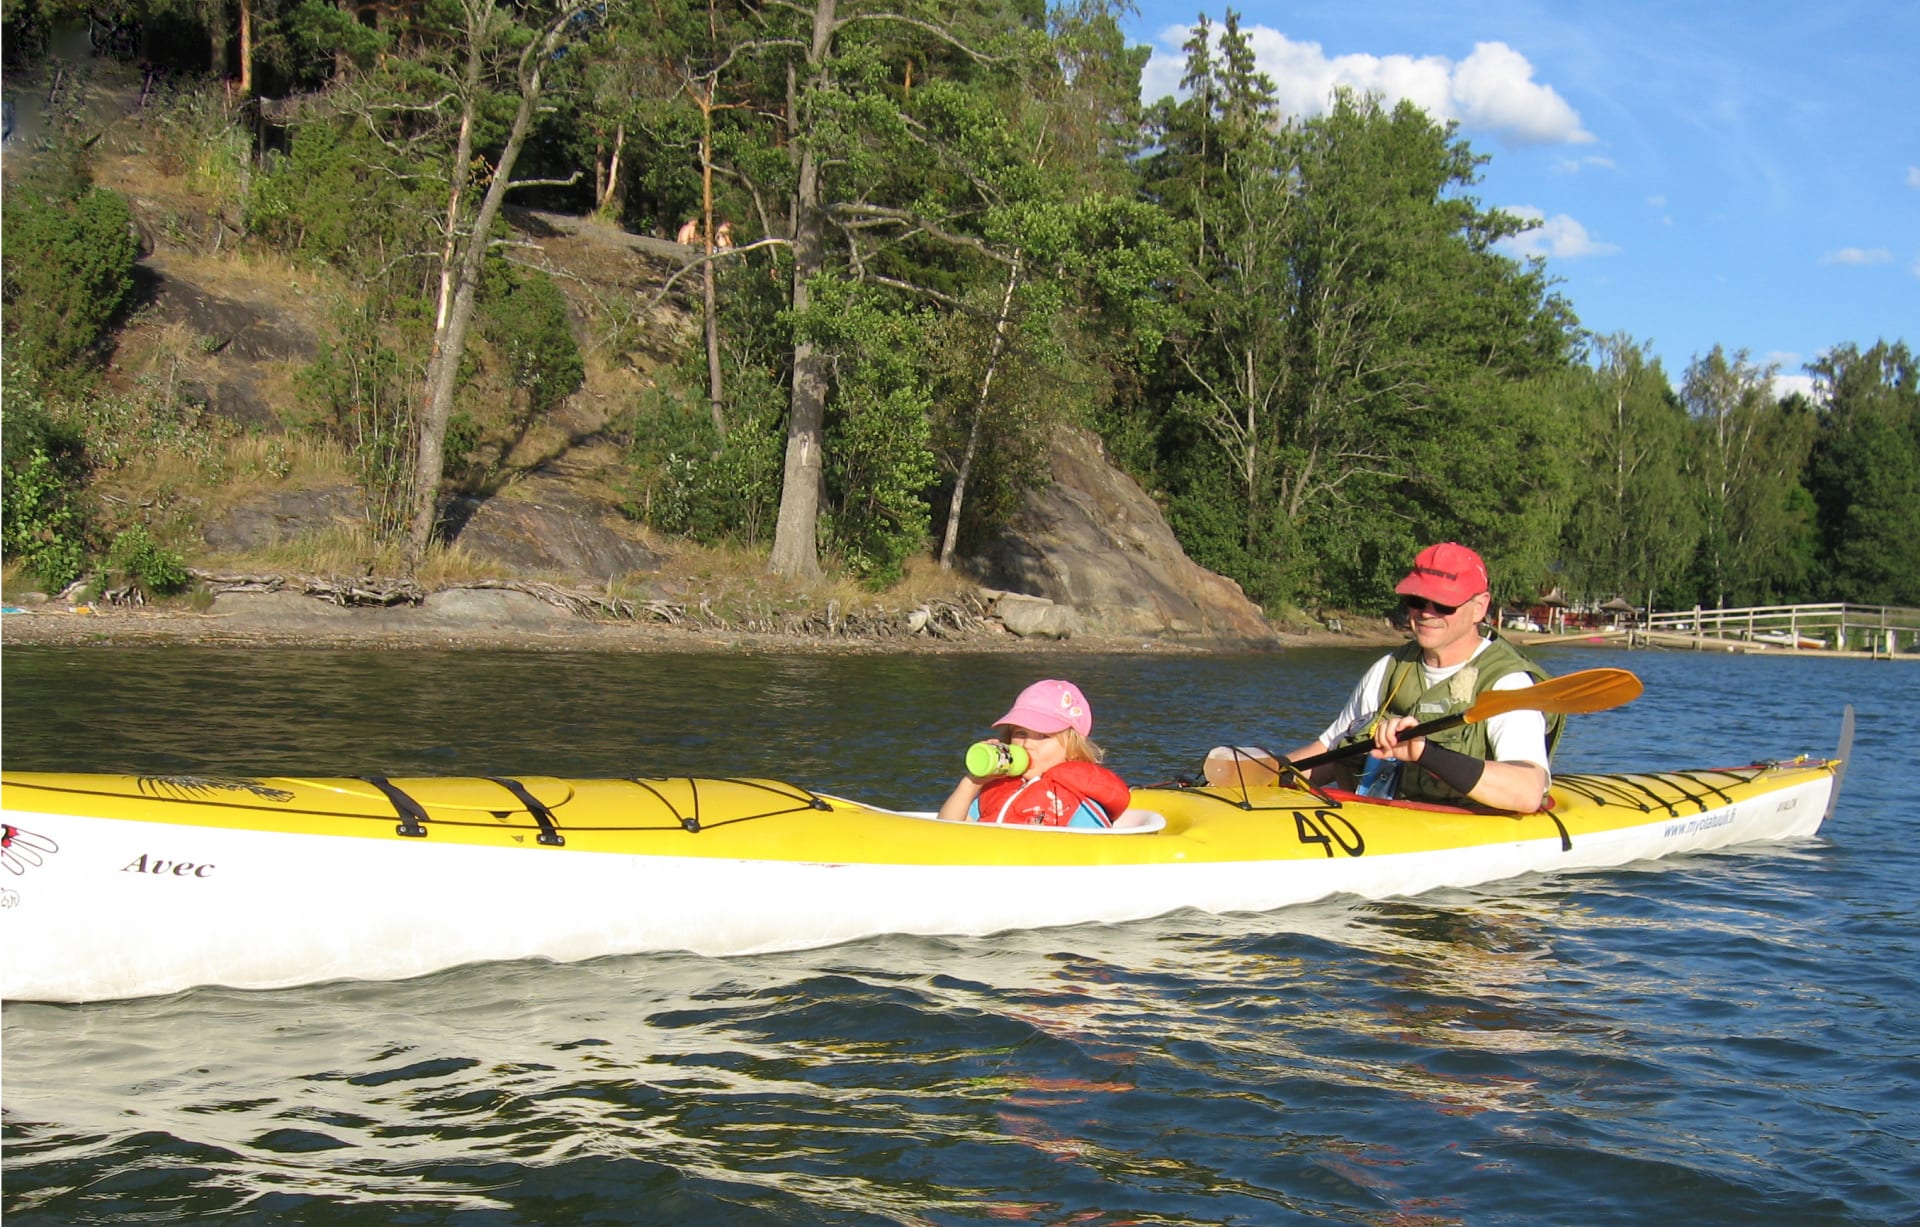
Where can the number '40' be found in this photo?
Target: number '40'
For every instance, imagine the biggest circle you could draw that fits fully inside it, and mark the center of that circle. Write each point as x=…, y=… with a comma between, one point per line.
x=1328, y=829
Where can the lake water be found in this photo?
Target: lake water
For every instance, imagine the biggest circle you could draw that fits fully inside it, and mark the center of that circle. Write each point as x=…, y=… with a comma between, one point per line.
x=1723, y=1038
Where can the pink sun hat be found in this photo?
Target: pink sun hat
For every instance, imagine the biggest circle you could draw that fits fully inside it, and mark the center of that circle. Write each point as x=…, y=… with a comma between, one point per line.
x=1049, y=707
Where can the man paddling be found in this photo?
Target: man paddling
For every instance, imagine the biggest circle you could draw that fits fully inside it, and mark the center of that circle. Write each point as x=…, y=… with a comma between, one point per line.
x=1500, y=762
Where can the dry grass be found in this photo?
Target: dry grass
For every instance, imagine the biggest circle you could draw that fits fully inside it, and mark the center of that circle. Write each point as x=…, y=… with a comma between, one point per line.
x=925, y=581
x=205, y=460
x=257, y=272
x=339, y=550
x=733, y=583
x=257, y=462
x=15, y=579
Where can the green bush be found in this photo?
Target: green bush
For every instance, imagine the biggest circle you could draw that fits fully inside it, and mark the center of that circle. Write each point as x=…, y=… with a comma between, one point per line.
x=879, y=464
x=43, y=518
x=139, y=558
x=880, y=467
x=334, y=197
x=193, y=132
x=68, y=274
x=359, y=390
x=318, y=33
x=460, y=460
x=523, y=314
x=684, y=480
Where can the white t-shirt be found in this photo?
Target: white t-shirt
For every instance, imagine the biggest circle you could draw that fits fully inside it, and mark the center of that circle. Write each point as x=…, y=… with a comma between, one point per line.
x=1514, y=737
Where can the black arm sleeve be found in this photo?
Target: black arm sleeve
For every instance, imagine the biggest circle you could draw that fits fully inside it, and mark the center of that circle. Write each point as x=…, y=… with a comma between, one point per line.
x=1457, y=771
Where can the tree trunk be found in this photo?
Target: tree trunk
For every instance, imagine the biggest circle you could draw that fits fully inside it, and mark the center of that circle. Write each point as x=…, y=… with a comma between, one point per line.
x=795, y=550
x=715, y=390
x=246, y=48
x=610, y=189
x=965, y=469
x=464, y=260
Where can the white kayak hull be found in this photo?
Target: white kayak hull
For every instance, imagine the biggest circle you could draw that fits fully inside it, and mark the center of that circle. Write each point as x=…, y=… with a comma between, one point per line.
x=101, y=905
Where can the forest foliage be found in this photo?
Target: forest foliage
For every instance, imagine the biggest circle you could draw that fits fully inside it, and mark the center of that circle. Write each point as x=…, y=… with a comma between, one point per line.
x=951, y=229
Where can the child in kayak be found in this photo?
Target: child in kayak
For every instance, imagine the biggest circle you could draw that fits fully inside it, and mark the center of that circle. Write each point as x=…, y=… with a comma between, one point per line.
x=1043, y=771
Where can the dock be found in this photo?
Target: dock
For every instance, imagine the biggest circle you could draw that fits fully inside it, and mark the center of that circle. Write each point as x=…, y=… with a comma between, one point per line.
x=1833, y=629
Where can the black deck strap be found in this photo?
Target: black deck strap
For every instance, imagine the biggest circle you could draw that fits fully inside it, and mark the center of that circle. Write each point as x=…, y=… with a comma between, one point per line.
x=1601, y=791
x=1566, y=840
x=1672, y=807
x=692, y=823
x=411, y=815
x=1744, y=776
x=1679, y=781
x=549, y=834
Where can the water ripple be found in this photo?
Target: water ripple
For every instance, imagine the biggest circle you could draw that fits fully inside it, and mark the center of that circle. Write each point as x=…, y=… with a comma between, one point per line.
x=1718, y=1039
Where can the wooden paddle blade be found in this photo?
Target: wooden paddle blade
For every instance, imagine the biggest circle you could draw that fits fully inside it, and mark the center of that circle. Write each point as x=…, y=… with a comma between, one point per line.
x=1575, y=694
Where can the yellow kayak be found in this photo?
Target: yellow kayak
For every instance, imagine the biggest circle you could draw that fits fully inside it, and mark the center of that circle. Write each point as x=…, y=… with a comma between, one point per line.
x=119, y=885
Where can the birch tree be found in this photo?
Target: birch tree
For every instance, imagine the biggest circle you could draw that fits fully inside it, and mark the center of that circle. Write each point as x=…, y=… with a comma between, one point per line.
x=1633, y=526
x=851, y=70
x=498, y=49
x=1748, y=454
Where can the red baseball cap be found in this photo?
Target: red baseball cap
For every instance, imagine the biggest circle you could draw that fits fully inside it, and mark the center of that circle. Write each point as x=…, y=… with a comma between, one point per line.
x=1448, y=573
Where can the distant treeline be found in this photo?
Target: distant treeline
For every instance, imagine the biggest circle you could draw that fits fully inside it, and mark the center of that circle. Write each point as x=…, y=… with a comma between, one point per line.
x=941, y=230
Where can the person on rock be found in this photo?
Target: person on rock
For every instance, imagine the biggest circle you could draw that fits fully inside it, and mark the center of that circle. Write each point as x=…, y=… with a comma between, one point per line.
x=1045, y=771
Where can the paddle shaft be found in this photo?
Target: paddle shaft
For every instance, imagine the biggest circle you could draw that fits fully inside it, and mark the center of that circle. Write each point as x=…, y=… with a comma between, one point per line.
x=1361, y=747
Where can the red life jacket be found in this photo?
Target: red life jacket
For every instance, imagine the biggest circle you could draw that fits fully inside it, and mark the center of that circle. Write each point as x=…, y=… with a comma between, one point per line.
x=1054, y=798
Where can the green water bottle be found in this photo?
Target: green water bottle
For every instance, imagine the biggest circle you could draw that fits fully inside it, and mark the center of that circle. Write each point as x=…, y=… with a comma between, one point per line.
x=985, y=758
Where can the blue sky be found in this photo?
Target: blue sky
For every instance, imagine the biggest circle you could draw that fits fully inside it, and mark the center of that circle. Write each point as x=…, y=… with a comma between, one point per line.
x=1707, y=171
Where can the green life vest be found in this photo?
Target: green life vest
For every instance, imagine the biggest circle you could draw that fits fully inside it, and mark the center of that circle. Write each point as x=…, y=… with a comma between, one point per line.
x=1402, y=694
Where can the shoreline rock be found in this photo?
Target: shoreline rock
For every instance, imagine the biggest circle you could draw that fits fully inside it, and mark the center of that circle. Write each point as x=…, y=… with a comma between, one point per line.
x=494, y=620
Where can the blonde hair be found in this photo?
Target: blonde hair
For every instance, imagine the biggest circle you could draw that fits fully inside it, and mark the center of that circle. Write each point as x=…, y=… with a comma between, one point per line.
x=1080, y=749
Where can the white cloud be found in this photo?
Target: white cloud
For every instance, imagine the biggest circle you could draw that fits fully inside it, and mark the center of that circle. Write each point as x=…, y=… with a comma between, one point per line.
x=1558, y=236
x=1784, y=385
x=1858, y=256
x=1913, y=176
x=1496, y=90
x=1781, y=361
x=1573, y=166
x=1492, y=89
x=1916, y=266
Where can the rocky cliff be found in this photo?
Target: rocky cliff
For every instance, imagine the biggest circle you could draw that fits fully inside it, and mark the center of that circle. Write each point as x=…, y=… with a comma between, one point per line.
x=1089, y=555
x=1095, y=545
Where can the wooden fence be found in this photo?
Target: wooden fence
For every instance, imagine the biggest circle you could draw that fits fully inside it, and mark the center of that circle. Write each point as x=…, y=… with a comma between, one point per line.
x=1878, y=630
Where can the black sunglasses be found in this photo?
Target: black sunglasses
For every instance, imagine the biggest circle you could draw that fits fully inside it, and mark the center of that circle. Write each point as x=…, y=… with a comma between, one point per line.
x=1419, y=604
